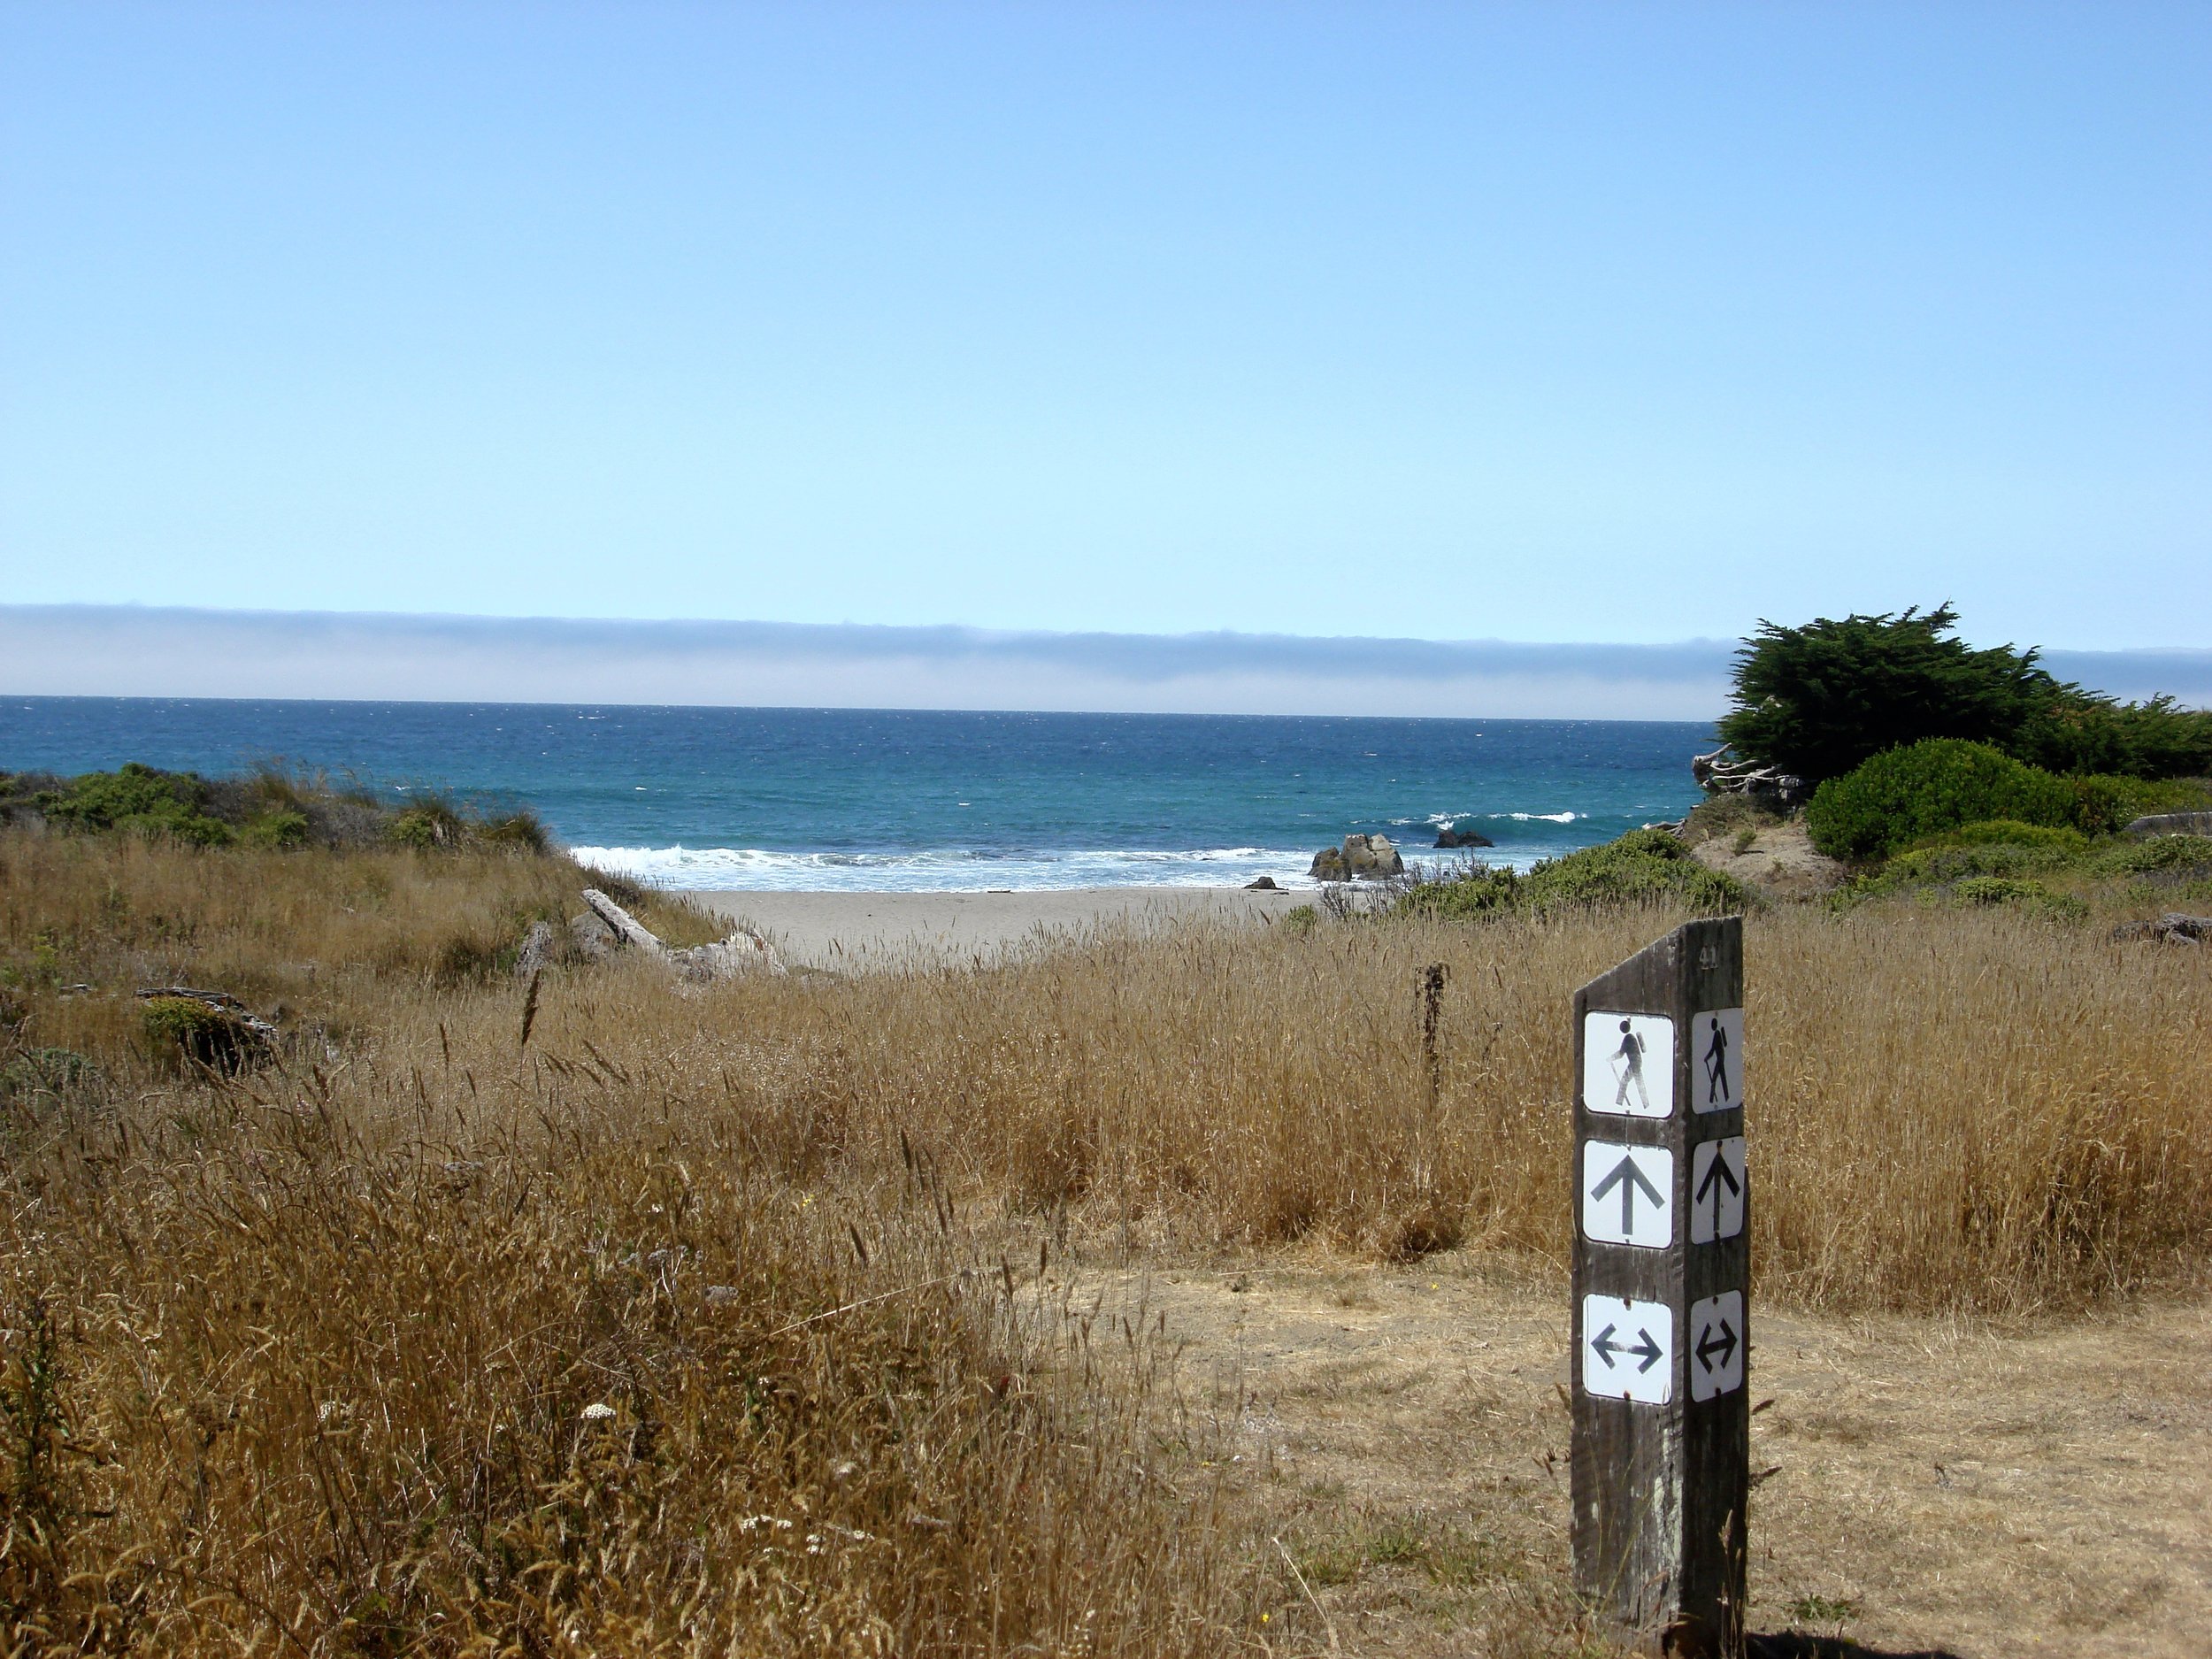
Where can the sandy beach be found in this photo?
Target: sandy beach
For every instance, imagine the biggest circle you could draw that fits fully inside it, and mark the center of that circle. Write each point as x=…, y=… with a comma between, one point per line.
x=829, y=930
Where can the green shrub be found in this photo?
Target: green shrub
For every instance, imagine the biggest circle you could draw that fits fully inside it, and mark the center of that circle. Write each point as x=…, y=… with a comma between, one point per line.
x=1990, y=890
x=137, y=799
x=1642, y=866
x=1484, y=889
x=1922, y=866
x=1996, y=890
x=524, y=831
x=2011, y=833
x=283, y=827
x=1301, y=919
x=1925, y=788
x=185, y=1027
x=42, y=1078
x=2161, y=854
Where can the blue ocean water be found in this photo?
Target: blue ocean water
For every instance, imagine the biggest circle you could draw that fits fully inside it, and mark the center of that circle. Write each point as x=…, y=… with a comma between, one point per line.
x=889, y=799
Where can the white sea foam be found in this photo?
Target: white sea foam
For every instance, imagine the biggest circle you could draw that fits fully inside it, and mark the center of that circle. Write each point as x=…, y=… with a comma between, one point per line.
x=944, y=871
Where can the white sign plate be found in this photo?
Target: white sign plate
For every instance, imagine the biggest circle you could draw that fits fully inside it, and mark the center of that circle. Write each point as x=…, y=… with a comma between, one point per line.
x=1628, y=1194
x=1717, y=1060
x=1716, y=1190
x=1718, y=1342
x=1628, y=1350
x=1628, y=1064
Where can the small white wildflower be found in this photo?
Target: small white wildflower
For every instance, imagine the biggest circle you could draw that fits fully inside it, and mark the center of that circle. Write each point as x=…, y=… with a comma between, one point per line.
x=598, y=1412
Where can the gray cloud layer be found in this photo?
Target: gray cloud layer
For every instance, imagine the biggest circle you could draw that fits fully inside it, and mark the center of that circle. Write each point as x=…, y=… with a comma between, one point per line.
x=103, y=650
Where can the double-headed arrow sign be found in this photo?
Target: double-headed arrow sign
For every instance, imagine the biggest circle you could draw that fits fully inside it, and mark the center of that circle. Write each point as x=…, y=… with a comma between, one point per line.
x=1647, y=1350
x=1721, y=1342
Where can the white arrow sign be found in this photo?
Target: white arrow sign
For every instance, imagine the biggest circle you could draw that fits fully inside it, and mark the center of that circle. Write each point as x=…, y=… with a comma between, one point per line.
x=1719, y=1342
x=1628, y=1350
x=1628, y=1194
x=1628, y=1064
x=1717, y=1060
x=1716, y=1190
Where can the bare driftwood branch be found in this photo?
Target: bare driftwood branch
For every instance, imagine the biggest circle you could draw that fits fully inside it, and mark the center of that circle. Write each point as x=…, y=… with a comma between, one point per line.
x=1718, y=773
x=744, y=951
x=626, y=926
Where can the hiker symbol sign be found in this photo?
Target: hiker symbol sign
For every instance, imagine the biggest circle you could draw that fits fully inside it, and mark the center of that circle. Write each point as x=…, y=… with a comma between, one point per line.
x=1717, y=1060
x=1628, y=1064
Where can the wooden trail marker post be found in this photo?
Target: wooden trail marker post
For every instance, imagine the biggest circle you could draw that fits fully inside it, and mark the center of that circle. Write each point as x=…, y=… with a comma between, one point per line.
x=1661, y=1433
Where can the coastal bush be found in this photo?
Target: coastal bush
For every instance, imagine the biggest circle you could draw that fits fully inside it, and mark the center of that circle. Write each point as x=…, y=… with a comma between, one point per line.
x=2054, y=839
x=139, y=800
x=1904, y=795
x=282, y=827
x=184, y=1027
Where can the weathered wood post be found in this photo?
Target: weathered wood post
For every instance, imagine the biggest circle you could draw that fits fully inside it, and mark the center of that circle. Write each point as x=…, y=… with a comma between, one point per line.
x=1661, y=1429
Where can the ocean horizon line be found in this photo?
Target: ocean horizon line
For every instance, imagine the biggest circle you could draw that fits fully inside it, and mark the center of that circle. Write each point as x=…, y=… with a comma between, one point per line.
x=363, y=656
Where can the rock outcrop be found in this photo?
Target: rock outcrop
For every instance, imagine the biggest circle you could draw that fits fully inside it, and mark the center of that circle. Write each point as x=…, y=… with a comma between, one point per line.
x=2170, y=824
x=1450, y=835
x=1360, y=855
x=2173, y=928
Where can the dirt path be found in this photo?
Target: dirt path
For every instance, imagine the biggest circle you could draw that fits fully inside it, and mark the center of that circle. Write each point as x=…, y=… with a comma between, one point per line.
x=1931, y=1485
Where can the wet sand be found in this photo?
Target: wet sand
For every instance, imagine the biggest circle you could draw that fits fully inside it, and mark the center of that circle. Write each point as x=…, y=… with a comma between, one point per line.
x=831, y=929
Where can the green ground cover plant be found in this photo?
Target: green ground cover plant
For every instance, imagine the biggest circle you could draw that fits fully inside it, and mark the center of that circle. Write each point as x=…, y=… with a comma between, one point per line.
x=273, y=807
x=1645, y=866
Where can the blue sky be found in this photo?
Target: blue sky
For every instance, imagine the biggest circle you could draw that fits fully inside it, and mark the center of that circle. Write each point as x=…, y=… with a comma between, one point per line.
x=1603, y=323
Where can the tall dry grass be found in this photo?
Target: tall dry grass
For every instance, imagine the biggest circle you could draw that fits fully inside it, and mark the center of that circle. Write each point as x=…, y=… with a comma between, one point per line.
x=532, y=1354
x=311, y=1360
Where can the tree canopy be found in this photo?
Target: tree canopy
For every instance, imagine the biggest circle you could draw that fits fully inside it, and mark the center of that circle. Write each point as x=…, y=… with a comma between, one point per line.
x=1819, y=699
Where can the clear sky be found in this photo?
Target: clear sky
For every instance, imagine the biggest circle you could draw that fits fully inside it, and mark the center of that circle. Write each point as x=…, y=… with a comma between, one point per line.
x=1541, y=322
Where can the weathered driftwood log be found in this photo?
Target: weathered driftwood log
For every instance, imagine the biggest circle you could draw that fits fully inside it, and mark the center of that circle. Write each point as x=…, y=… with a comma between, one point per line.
x=540, y=946
x=744, y=951
x=1770, y=786
x=626, y=926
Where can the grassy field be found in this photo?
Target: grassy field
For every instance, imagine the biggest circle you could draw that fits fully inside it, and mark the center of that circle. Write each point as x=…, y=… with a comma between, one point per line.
x=768, y=1316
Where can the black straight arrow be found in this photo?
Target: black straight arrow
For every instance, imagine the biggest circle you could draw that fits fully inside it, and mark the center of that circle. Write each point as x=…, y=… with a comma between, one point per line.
x=1628, y=1177
x=1716, y=1174
x=1724, y=1345
x=1651, y=1351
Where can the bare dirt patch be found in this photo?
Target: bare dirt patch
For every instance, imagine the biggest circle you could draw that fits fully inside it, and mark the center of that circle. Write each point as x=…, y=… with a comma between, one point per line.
x=1775, y=859
x=1921, y=1484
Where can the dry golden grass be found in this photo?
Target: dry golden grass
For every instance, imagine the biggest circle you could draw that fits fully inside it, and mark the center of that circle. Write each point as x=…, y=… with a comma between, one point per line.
x=302, y=1360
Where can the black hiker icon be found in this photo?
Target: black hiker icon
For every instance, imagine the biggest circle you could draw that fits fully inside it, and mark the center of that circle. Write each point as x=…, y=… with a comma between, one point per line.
x=1631, y=1054
x=1716, y=1089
